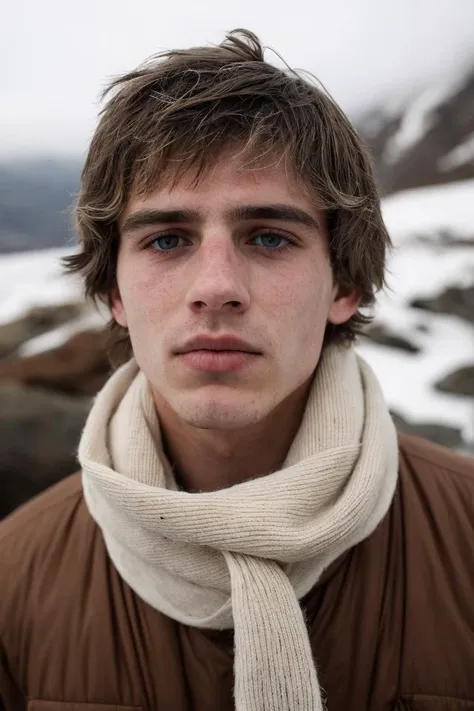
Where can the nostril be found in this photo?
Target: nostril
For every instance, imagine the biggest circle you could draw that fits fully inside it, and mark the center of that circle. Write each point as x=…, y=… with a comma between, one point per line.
x=203, y=304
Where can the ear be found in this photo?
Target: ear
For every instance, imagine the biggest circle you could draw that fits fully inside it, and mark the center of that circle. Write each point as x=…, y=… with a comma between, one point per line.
x=116, y=306
x=344, y=304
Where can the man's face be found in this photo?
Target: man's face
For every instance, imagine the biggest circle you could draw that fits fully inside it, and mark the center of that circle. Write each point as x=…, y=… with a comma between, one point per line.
x=242, y=255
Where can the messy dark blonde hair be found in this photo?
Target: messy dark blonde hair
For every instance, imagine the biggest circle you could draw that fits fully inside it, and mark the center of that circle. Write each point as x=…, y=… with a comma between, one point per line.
x=181, y=110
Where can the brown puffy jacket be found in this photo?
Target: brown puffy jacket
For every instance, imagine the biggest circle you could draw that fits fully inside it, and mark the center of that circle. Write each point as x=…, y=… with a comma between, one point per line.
x=391, y=622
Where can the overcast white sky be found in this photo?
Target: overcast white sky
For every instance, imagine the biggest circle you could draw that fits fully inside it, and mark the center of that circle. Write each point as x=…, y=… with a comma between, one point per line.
x=57, y=55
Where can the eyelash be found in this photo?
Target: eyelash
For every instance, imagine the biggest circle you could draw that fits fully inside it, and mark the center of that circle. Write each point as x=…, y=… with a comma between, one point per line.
x=268, y=250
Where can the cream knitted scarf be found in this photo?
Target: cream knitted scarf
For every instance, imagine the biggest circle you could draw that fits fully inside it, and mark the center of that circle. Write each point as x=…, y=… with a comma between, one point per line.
x=242, y=557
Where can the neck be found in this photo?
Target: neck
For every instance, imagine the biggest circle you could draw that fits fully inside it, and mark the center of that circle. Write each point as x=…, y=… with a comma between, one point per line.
x=208, y=460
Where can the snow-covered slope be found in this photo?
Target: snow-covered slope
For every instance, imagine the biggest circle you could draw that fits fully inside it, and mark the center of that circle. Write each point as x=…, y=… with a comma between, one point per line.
x=430, y=211
x=31, y=279
x=433, y=234
x=426, y=139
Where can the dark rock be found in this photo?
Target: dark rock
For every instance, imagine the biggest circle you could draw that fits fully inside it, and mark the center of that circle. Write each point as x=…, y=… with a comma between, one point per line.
x=39, y=435
x=459, y=382
x=448, y=238
x=378, y=333
x=37, y=321
x=422, y=328
x=441, y=238
x=432, y=431
x=78, y=367
x=456, y=301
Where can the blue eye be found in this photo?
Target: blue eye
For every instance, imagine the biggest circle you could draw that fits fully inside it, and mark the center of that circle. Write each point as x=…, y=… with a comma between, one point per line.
x=272, y=240
x=165, y=243
x=269, y=241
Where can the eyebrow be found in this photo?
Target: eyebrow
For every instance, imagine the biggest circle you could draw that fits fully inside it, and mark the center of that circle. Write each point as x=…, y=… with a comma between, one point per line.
x=284, y=213
x=145, y=218
x=281, y=212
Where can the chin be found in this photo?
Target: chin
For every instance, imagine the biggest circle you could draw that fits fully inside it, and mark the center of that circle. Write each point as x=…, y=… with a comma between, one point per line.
x=223, y=424
x=224, y=415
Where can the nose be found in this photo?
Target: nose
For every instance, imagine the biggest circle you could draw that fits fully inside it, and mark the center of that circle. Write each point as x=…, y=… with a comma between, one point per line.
x=219, y=282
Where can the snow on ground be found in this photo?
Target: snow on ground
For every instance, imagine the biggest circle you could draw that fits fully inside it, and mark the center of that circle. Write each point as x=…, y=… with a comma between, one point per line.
x=407, y=378
x=32, y=279
x=52, y=339
x=420, y=270
x=420, y=266
x=426, y=210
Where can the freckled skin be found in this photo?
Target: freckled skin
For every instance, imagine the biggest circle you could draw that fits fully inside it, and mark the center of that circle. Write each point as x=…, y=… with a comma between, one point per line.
x=221, y=280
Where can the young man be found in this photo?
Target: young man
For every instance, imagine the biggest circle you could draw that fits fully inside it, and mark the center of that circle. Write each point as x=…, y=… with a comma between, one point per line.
x=248, y=531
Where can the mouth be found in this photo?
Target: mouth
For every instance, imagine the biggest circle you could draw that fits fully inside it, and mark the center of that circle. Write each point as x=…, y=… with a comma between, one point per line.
x=217, y=354
x=223, y=344
x=217, y=361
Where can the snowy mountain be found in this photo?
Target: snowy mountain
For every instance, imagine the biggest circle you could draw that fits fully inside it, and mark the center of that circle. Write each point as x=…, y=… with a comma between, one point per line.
x=427, y=139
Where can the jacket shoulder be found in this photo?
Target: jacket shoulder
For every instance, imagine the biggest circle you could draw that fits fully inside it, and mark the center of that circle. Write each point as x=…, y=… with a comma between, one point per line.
x=437, y=502
x=434, y=460
x=47, y=550
x=437, y=487
x=435, y=513
x=56, y=494
x=31, y=527
x=39, y=543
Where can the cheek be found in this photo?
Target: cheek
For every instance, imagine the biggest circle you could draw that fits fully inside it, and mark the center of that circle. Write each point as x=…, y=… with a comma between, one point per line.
x=306, y=296
x=306, y=301
x=143, y=292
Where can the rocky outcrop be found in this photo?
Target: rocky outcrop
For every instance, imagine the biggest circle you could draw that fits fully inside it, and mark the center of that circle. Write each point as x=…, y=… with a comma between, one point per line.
x=456, y=301
x=382, y=335
x=443, y=238
x=78, y=367
x=44, y=401
x=459, y=382
x=39, y=435
x=432, y=431
x=34, y=323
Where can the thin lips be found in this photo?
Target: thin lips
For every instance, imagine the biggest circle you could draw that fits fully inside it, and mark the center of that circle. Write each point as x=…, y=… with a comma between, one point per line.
x=224, y=343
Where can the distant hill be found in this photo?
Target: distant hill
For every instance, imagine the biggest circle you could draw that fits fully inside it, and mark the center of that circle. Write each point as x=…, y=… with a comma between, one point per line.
x=35, y=203
x=427, y=140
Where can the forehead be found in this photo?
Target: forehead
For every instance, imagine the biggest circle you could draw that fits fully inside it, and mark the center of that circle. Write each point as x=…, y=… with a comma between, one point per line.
x=227, y=182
